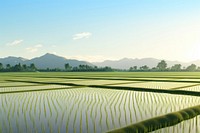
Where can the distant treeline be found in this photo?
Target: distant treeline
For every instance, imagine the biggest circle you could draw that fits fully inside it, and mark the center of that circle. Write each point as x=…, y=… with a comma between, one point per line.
x=161, y=66
x=18, y=68
x=31, y=68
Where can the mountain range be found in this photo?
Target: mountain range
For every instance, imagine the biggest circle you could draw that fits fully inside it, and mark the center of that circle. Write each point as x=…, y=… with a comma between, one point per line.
x=126, y=63
x=54, y=61
x=48, y=60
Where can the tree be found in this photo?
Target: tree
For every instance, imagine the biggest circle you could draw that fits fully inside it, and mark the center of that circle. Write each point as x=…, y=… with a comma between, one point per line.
x=68, y=67
x=81, y=67
x=95, y=67
x=8, y=66
x=24, y=67
x=1, y=66
x=198, y=68
x=192, y=67
x=131, y=69
x=135, y=67
x=176, y=67
x=17, y=67
x=145, y=67
x=162, y=65
x=32, y=67
x=107, y=68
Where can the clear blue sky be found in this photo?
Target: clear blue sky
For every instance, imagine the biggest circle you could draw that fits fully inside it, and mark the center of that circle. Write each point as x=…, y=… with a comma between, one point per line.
x=96, y=30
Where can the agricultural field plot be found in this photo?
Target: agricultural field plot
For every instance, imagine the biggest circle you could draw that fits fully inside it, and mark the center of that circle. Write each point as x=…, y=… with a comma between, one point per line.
x=194, y=88
x=197, y=80
x=188, y=126
x=59, y=80
x=101, y=82
x=89, y=102
x=84, y=109
x=14, y=84
x=154, y=79
x=157, y=85
x=33, y=88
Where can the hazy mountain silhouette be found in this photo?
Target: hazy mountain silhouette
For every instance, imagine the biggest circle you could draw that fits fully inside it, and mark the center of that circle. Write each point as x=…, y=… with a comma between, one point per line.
x=126, y=63
x=12, y=60
x=196, y=62
x=46, y=61
x=54, y=61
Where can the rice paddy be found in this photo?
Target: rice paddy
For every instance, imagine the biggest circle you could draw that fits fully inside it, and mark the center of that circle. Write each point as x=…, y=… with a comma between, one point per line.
x=96, y=102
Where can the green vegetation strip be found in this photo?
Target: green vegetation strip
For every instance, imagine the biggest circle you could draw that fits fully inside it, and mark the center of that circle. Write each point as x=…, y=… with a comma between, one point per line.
x=177, y=92
x=125, y=83
x=46, y=83
x=172, y=79
x=18, y=85
x=156, y=123
x=169, y=75
x=131, y=79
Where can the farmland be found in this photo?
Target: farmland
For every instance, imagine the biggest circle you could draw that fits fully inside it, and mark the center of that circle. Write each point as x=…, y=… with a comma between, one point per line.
x=99, y=102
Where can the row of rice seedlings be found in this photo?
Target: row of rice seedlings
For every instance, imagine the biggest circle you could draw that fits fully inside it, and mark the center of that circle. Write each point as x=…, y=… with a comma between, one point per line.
x=111, y=75
x=86, y=109
x=3, y=81
x=14, y=84
x=150, y=79
x=91, y=123
x=29, y=88
x=95, y=82
x=194, y=88
x=120, y=76
x=53, y=79
x=81, y=98
x=156, y=85
x=122, y=83
x=106, y=74
x=150, y=85
x=193, y=79
x=71, y=107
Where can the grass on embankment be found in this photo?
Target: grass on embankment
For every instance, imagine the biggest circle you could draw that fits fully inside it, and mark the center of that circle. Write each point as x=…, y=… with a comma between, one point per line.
x=164, y=121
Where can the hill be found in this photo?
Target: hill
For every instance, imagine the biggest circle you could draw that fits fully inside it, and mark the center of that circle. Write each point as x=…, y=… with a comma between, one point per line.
x=46, y=61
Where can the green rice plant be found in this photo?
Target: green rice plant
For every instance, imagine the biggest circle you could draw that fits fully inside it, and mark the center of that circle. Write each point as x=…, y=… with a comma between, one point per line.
x=70, y=112
x=120, y=110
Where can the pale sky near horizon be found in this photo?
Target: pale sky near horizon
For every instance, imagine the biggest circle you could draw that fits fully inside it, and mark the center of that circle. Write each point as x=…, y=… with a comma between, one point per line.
x=96, y=30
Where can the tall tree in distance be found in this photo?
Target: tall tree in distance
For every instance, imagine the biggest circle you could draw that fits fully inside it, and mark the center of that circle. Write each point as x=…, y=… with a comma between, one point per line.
x=145, y=68
x=192, y=67
x=8, y=66
x=32, y=67
x=176, y=67
x=24, y=67
x=17, y=67
x=198, y=68
x=1, y=66
x=162, y=65
x=135, y=67
x=68, y=67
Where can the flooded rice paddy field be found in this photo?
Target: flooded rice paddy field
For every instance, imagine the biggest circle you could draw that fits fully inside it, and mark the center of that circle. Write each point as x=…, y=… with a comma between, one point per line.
x=94, y=102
